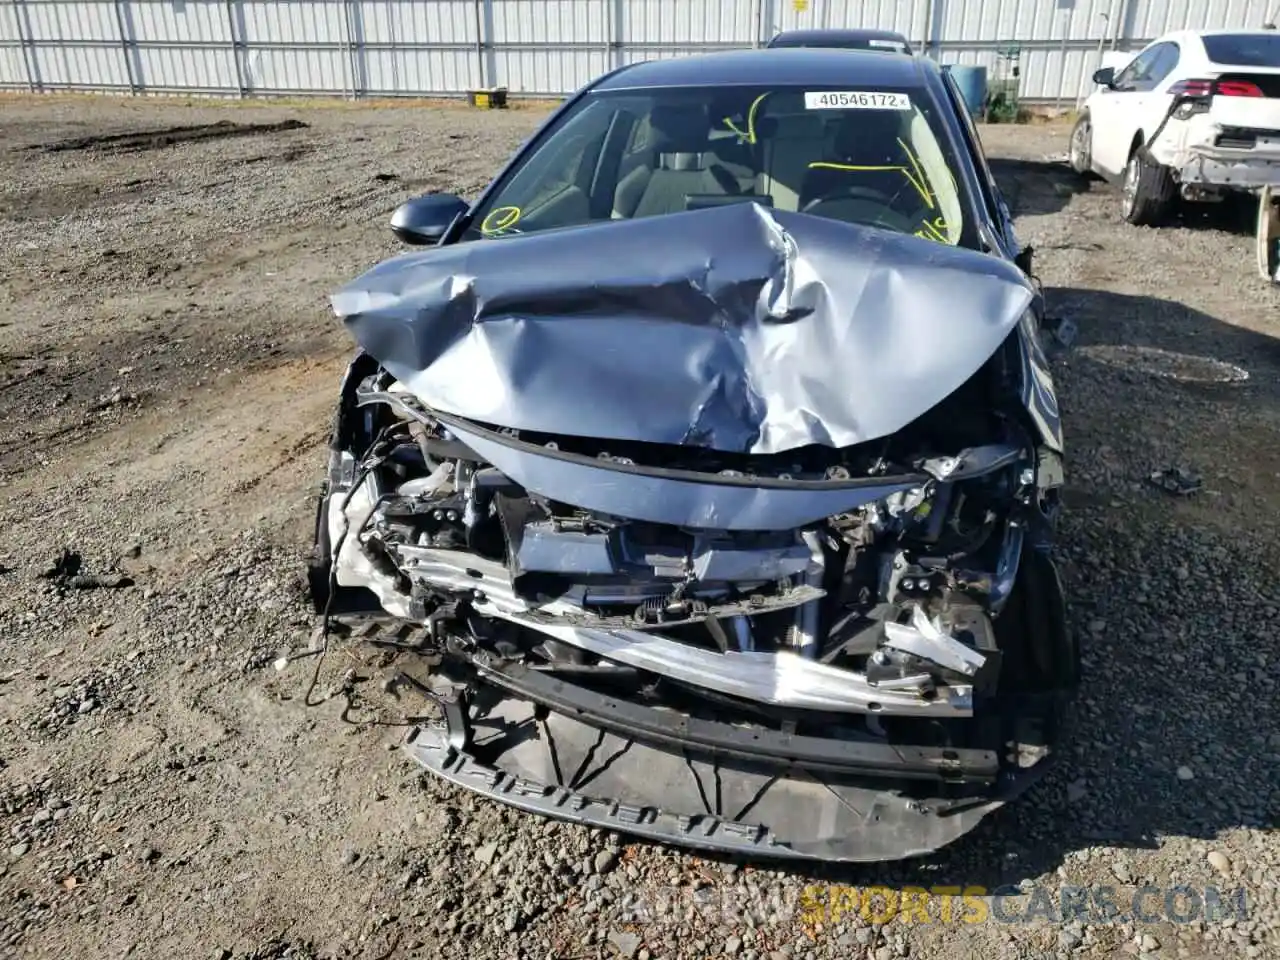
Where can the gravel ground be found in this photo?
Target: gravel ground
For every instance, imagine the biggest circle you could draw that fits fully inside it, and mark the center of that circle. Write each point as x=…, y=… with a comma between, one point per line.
x=172, y=786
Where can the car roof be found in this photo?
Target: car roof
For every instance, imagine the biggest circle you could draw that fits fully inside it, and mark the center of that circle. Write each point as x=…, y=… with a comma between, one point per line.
x=1174, y=36
x=1224, y=32
x=837, y=35
x=820, y=66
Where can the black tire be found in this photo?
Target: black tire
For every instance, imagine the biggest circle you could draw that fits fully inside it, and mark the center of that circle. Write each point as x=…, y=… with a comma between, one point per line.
x=1039, y=651
x=1081, y=146
x=1148, y=192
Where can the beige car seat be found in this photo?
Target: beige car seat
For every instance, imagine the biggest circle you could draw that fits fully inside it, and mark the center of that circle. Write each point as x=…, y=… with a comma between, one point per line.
x=684, y=166
x=788, y=143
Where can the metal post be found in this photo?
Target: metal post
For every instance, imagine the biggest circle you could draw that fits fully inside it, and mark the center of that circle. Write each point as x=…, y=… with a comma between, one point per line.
x=767, y=22
x=620, y=37
x=1102, y=42
x=1120, y=24
x=480, y=84
x=235, y=48
x=1068, y=14
x=349, y=67
x=124, y=48
x=612, y=32
x=1109, y=18
x=24, y=42
x=490, y=47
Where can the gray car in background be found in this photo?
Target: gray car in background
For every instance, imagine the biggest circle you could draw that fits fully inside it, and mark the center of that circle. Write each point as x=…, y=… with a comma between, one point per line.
x=889, y=41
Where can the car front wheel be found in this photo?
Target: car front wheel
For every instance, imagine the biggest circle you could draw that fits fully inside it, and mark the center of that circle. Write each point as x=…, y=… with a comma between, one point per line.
x=1082, y=146
x=1148, y=192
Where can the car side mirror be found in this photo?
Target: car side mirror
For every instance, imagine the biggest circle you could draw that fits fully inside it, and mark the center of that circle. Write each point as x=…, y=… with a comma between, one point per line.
x=422, y=221
x=1106, y=77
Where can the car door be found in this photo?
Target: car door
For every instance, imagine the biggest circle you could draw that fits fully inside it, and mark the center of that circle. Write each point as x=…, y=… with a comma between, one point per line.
x=1118, y=112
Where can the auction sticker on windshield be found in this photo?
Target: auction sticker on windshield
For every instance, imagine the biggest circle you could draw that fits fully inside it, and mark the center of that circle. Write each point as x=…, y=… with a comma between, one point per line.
x=855, y=100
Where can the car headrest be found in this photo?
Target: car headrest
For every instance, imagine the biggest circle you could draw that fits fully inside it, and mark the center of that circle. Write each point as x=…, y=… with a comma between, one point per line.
x=792, y=126
x=681, y=129
x=870, y=133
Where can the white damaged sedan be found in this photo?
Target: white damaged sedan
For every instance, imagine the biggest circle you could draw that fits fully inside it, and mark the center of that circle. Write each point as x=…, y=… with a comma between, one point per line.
x=1194, y=116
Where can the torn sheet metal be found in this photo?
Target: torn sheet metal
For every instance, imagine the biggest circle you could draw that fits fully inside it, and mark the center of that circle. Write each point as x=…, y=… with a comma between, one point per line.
x=973, y=461
x=927, y=640
x=736, y=328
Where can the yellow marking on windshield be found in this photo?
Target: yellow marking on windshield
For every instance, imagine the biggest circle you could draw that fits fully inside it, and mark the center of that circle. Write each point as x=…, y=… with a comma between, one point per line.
x=922, y=182
x=929, y=231
x=855, y=168
x=831, y=165
x=937, y=229
x=499, y=219
x=750, y=135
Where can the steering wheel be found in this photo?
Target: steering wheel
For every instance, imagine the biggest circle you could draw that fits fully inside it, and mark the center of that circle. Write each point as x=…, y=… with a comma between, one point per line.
x=850, y=192
x=860, y=205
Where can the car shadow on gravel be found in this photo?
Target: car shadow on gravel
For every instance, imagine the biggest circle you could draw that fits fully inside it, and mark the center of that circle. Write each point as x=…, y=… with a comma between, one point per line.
x=1036, y=187
x=1043, y=187
x=1236, y=214
x=1175, y=612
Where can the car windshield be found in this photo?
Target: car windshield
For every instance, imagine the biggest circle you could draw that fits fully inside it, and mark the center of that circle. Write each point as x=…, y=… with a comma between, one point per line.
x=1244, y=49
x=871, y=156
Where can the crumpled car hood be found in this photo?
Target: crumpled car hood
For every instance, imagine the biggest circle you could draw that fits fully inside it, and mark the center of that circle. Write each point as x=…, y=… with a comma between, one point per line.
x=736, y=328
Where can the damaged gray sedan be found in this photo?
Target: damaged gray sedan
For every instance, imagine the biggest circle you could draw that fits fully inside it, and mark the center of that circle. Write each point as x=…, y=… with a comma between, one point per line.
x=709, y=465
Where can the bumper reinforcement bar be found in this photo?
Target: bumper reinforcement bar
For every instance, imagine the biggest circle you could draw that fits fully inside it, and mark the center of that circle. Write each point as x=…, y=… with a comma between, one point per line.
x=865, y=757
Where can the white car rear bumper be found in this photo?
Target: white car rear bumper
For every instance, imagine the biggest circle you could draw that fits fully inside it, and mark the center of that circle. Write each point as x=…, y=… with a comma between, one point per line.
x=1227, y=168
x=1207, y=153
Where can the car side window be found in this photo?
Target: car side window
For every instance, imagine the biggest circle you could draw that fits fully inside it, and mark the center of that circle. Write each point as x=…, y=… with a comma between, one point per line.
x=1166, y=63
x=1137, y=67
x=565, y=166
x=969, y=134
x=1139, y=76
x=555, y=184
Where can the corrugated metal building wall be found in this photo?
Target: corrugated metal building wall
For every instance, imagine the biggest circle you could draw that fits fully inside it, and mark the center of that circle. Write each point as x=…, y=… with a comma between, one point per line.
x=374, y=48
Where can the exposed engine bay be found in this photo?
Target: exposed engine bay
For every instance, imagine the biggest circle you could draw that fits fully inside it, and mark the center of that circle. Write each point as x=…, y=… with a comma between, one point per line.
x=869, y=636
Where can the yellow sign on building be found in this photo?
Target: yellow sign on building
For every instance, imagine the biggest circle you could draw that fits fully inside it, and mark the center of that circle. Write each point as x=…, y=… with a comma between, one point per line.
x=800, y=5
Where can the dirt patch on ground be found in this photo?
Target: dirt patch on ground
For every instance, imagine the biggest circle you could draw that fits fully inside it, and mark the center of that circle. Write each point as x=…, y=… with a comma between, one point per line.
x=166, y=137
x=167, y=369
